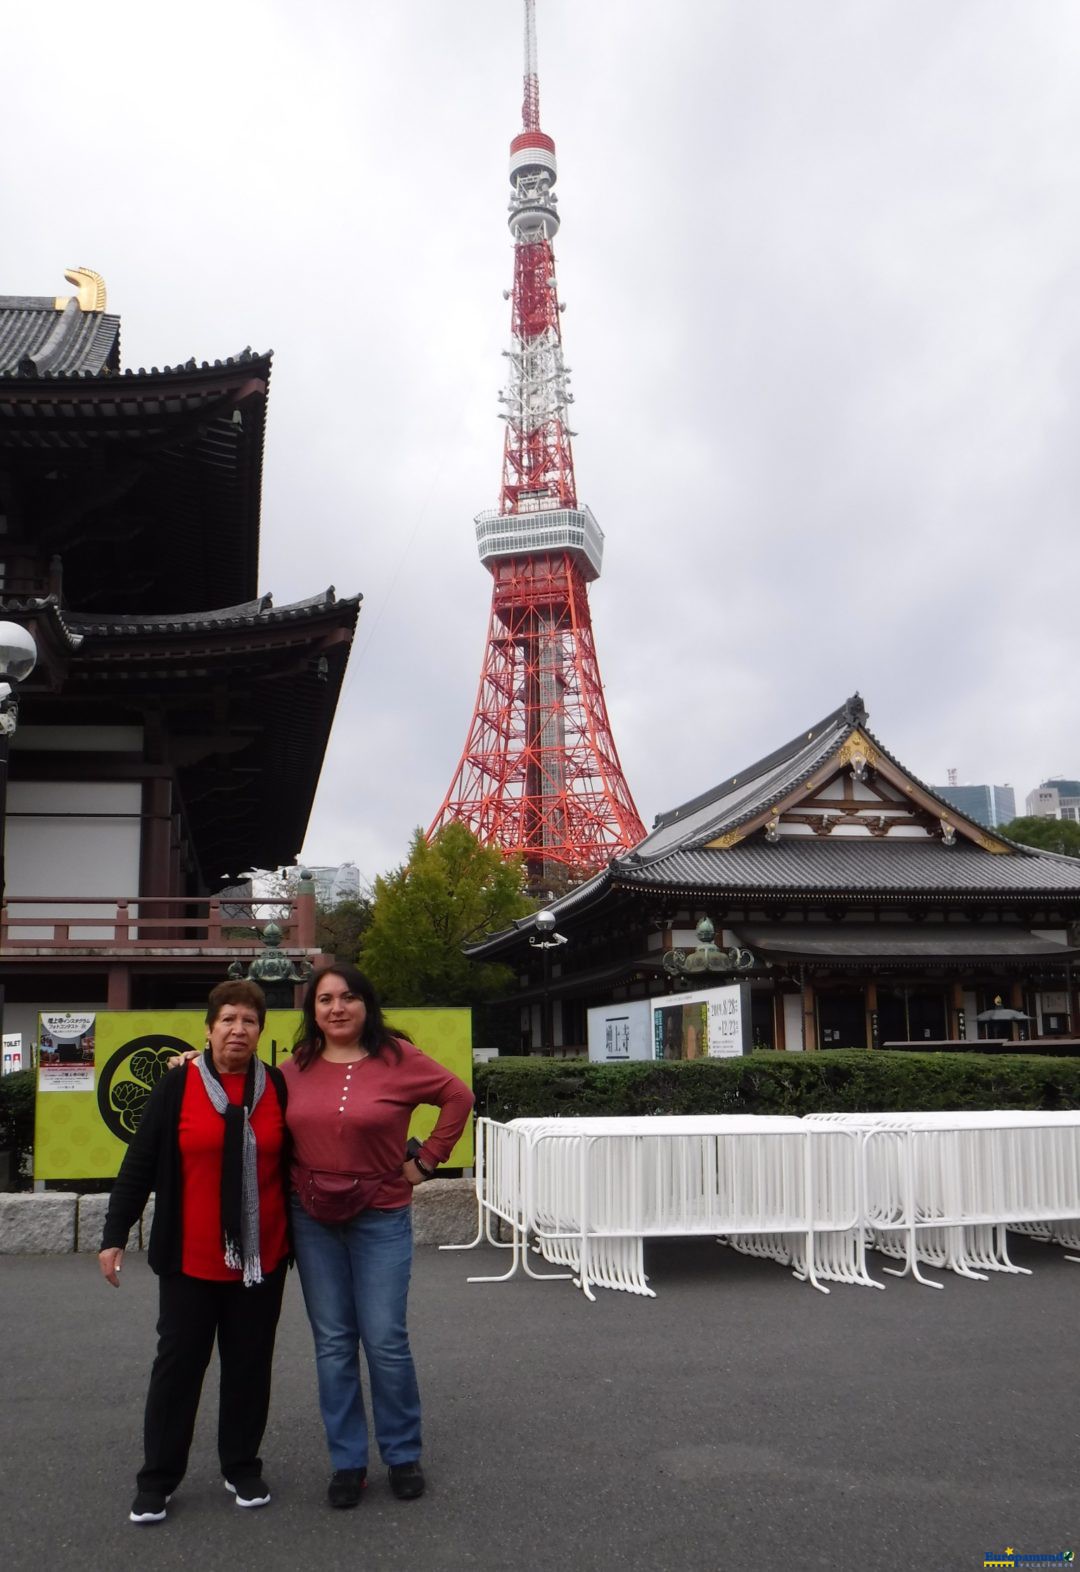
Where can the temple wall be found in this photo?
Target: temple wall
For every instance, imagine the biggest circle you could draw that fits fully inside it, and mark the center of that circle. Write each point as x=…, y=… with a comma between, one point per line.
x=75, y=838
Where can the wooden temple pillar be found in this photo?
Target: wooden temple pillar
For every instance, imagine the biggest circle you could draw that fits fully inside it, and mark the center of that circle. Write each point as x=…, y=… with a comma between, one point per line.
x=156, y=869
x=119, y=994
x=1016, y=1002
x=779, y=1024
x=809, y=1016
x=871, y=1006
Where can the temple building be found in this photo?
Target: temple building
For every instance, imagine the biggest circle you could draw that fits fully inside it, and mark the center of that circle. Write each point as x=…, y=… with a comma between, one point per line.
x=861, y=907
x=172, y=732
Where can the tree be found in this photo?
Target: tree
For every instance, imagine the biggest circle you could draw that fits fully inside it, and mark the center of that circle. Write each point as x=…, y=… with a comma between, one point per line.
x=1053, y=835
x=340, y=928
x=449, y=894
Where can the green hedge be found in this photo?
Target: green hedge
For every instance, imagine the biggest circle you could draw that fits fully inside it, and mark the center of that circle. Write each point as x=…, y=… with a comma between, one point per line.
x=1068, y=1048
x=17, y=1115
x=768, y=1082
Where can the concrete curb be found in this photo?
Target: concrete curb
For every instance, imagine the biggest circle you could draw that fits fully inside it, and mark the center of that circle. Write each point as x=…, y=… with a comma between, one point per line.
x=38, y=1224
x=58, y=1222
x=92, y=1210
x=444, y=1212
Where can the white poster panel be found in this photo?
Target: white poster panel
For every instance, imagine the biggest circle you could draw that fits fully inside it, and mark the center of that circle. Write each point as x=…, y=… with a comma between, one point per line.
x=619, y=1033
x=66, y=1055
x=713, y=1024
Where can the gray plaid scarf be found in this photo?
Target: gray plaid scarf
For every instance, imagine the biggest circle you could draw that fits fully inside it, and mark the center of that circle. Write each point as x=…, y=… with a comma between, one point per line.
x=239, y=1170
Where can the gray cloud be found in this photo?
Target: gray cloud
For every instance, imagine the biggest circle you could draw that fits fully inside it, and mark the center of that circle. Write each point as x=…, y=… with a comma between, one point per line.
x=820, y=264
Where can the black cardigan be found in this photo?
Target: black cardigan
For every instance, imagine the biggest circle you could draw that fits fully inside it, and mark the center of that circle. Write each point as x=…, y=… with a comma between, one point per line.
x=152, y=1162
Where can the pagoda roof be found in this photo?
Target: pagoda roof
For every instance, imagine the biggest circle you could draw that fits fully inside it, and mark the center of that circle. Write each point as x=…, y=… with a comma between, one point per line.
x=146, y=485
x=241, y=699
x=763, y=834
x=718, y=840
x=41, y=336
x=840, y=866
x=252, y=614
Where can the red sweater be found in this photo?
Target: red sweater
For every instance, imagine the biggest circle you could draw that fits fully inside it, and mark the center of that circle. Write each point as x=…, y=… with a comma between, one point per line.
x=354, y=1118
x=202, y=1146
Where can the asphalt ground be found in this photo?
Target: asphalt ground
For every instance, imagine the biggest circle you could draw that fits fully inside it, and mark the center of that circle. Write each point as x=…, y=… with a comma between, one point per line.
x=739, y=1420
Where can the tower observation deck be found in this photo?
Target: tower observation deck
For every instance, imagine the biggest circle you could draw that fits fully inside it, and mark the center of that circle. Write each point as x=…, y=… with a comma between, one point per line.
x=539, y=774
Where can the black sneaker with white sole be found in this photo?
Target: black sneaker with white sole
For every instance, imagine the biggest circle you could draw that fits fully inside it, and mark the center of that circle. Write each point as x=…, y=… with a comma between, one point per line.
x=252, y=1491
x=148, y=1507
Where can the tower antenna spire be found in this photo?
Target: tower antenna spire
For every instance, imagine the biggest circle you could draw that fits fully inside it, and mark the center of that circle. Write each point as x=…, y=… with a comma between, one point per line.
x=530, y=107
x=540, y=774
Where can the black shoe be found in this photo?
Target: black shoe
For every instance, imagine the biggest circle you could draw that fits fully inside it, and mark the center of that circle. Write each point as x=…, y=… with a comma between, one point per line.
x=250, y=1490
x=346, y=1487
x=406, y=1480
x=149, y=1507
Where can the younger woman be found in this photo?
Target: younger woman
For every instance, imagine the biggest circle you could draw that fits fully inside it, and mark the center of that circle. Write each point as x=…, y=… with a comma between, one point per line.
x=352, y=1089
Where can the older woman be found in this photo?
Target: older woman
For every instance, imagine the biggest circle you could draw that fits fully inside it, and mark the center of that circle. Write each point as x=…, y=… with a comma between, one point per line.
x=212, y=1144
x=353, y=1086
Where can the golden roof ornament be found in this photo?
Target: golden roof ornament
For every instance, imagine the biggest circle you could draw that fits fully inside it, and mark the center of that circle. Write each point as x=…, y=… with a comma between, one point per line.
x=90, y=290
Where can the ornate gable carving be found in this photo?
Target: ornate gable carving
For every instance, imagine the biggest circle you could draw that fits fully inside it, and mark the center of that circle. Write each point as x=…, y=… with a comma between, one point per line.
x=859, y=791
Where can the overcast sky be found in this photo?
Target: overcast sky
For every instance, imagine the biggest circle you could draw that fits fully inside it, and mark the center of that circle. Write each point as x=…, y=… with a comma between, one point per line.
x=820, y=259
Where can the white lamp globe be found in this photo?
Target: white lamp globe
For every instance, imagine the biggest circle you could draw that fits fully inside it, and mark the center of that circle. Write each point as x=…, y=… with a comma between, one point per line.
x=18, y=652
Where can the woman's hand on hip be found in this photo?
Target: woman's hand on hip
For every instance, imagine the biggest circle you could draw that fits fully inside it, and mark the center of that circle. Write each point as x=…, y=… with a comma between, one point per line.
x=412, y=1172
x=110, y=1262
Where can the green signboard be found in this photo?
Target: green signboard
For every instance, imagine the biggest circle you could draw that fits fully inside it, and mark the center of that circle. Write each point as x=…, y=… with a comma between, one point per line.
x=96, y=1072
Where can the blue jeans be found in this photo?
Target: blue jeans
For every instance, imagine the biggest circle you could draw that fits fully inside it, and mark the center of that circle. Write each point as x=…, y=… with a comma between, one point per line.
x=355, y=1278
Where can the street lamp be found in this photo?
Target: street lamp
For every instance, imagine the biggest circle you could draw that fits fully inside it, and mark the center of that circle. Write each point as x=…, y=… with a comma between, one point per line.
x=18, y=657
x=546, y=939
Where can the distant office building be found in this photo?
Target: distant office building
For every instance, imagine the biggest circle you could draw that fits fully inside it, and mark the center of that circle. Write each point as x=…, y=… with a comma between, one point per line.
x=1056, y=798
x=338, y=883
x=273, y=888
x=988, y=805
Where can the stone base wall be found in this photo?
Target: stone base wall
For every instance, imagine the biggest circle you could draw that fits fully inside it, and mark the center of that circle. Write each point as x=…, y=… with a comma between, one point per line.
x=56, y=1222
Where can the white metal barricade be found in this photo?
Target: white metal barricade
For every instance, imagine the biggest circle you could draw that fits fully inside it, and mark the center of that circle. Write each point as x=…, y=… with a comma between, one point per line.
x=942, y=1188
x=935, y=1189
x=589, y=1191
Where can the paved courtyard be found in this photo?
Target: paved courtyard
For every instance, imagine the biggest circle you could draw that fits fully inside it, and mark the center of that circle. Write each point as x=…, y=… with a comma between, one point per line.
x=739, y=1420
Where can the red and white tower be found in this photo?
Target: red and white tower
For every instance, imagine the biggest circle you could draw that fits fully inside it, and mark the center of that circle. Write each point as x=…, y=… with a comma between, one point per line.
x=540, y=773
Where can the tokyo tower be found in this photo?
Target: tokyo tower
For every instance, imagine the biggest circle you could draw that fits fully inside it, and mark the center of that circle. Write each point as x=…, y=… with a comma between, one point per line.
x=540, y=773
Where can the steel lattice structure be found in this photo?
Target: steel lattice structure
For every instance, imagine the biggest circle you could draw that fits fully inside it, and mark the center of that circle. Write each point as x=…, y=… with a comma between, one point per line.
x=540, y=773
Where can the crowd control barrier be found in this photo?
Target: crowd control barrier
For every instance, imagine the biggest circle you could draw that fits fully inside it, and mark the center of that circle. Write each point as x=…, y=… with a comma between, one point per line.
x=937, y=1189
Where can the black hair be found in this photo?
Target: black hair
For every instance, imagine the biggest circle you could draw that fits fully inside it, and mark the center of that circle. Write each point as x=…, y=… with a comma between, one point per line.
x=240, y=991
x=375, y=1035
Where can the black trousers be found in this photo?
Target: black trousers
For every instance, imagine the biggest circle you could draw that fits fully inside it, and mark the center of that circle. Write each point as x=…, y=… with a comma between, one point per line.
x=192, y=1311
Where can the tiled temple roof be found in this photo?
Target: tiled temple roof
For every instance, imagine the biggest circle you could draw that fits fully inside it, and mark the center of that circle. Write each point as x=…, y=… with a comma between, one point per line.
x=681, y=855
x=37, y=340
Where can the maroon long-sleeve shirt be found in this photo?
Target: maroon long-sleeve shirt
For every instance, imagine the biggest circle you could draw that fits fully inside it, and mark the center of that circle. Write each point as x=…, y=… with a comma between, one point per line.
x=354, y=1118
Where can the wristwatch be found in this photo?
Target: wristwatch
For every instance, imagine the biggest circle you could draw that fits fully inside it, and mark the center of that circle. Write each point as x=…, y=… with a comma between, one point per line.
x=412, y=1154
